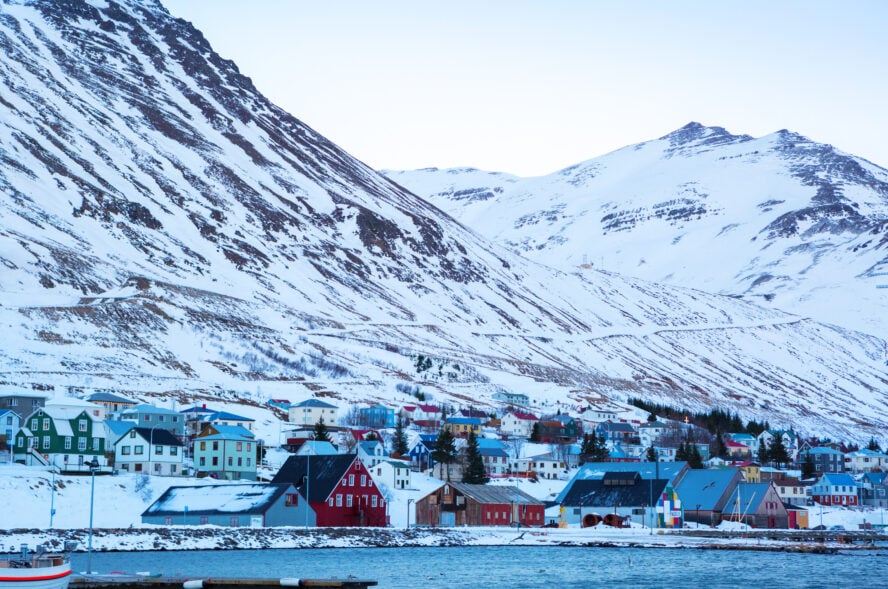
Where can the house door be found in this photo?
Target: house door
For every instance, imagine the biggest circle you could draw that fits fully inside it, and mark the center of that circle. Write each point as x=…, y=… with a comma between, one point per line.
x=448, y=518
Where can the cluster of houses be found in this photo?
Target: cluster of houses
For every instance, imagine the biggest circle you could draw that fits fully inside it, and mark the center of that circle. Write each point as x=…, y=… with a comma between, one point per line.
x=348, y=481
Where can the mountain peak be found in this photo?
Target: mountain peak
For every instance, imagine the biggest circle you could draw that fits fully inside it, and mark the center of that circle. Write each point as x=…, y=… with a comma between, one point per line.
x=695, y=133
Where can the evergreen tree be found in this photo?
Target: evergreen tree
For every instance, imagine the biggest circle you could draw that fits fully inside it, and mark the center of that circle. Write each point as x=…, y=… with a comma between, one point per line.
x=474, y=472
x=535, y=432
x=695, y=459
x=445, y=450
x=681, y=454
x=809, y=469
x=763, y=455
x=777, y=452
x=600, y=453
x=651, y=418
x=720, y=450
x=873, y=445
x=651, y=454
x=587, y=448
x=399, y=443
x=320, y=432
x=371, y=437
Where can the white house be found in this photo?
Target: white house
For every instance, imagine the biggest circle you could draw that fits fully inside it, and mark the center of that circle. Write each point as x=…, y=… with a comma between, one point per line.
x=544, y=466
x=865, y=461
x=650, y=432
x=154, y=451
x=371, y=453
x=394, y=474
x=518, y=424
x=311, y=411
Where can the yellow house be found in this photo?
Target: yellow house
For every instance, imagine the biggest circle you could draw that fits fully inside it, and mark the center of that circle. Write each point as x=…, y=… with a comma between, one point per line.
x=461, y=426
x=752, y=472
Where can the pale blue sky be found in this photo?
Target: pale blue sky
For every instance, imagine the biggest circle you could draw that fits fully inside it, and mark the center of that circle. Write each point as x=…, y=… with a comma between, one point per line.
x=532, y=87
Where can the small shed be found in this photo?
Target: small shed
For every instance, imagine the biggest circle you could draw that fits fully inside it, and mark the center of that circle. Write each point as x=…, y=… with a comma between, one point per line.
x=256, y=505
x=462, y=504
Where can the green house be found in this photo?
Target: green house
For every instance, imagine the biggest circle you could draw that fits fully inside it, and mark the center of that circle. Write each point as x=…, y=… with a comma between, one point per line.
x=67, y=438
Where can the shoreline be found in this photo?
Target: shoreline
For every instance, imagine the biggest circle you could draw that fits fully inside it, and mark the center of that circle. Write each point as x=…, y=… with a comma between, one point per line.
x=160, y=539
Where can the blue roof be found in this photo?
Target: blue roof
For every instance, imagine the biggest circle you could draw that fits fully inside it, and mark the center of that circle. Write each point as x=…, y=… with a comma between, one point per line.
x=118, y=428
x=229, y=432
x=648, y=470
x=464, y=421
x=750, y=494
x=490, y=443
x=225, y=415
x=823, y=450
x=838, y=478
x=151, y=409
x=705, y=487
x=314, y=403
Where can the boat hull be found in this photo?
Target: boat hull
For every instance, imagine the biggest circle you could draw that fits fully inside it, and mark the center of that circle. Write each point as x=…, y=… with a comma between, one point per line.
x=56, y=577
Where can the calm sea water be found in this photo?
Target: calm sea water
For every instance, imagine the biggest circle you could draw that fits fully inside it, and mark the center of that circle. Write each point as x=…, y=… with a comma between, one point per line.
x=495, y=567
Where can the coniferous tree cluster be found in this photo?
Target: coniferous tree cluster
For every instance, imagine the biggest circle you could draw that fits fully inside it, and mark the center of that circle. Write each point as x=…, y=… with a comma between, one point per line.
x=593, y=448
x=474, y=473
x=715, y=420
x=690, y=453
x=445, y=450
x=399, y=443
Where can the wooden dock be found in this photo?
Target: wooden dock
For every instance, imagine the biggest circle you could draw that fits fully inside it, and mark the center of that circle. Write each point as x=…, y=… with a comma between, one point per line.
x=159, y=582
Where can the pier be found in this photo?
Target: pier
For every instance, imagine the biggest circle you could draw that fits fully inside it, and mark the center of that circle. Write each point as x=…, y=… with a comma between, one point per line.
x=149, y=582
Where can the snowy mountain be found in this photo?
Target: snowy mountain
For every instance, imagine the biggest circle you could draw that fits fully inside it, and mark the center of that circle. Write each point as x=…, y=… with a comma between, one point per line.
x=166, y=233
x=782, y=220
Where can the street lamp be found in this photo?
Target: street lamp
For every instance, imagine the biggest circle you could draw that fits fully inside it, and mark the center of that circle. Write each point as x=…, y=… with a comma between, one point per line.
x=409, y=501
x=697, y=517
x=92, y=492
x=52, y=495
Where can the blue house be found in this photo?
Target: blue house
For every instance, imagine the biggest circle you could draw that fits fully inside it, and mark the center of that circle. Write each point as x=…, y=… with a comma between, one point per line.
x=421, y=452
x=10, y=422
x=494, y=457
x=256, y=505
x=705, y=493
x=377, y=416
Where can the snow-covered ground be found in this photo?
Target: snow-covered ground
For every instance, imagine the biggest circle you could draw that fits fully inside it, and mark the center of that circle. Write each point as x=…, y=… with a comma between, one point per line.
x=120, y=500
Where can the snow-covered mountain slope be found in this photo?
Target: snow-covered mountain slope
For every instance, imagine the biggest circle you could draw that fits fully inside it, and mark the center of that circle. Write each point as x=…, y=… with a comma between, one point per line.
x=783, y=220
x=167, y=232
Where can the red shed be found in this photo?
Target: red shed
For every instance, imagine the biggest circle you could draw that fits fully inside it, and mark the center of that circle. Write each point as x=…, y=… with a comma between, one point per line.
x=461, y=504
x=341, y=491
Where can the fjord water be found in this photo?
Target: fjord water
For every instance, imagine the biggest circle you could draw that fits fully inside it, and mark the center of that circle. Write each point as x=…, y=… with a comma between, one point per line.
x=518, y=567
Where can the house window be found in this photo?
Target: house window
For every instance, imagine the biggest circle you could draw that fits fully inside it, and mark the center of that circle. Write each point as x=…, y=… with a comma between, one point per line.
x=230, y=461
x=202, y=461
x=158, y=450
x=81, y=444
x=139, y=450
x=96, y=444
x=348, y=500
x=249, y=446
x=46, y=442
x=160, y=417
x=240, y=461
x=351, y=480
x=338, y=500
x=234, y=521
x=363, y=480
x=81, y=425
x=204, y=519
x=45, y=424
x=374, y=500
x=67, y=442
x=203, y=446
x=330, y=502
x=215, y=445
x=172, y=469
x=249, y=461
x=292, y=500
x=20, y=442
x=34, y=424
x=215, y=461
x=168, y=520
x=157, y=466
x=125, y=450
x=146, y=418
x=174, y=451
x=239, y=446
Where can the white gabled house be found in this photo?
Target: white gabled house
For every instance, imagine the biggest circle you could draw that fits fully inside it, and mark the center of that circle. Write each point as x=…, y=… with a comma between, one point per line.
x=311, y=411
x=518, y=424
x=154, y=451
x=394, y=474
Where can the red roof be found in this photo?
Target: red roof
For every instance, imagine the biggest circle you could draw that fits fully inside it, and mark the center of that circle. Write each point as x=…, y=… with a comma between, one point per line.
x=525, y=416
x=733, y=444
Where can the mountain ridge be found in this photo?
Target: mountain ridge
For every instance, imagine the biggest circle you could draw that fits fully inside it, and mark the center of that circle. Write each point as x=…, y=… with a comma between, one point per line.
x=171, y=234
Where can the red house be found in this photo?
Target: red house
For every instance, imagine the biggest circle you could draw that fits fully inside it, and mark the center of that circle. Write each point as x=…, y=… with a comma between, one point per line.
x=340, y=490
x=461, y=504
